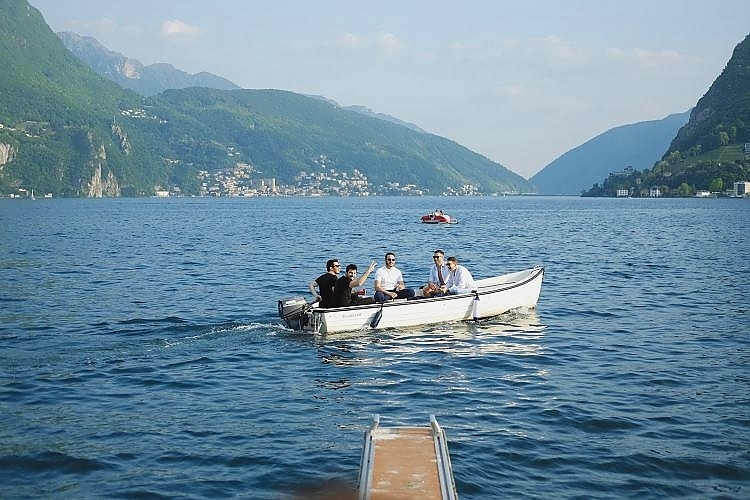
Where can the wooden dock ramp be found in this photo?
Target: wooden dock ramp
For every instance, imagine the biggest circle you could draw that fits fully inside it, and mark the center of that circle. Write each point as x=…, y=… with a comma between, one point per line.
x=406, y=463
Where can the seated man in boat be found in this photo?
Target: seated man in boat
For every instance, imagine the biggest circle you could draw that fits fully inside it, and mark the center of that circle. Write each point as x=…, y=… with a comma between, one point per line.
x=459, y=279
x=438, y=273
x=343, y=292
x=389, y=282
x=325, y=283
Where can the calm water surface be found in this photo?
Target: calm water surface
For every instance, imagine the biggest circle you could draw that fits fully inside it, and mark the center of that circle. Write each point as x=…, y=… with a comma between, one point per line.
x=141, y=355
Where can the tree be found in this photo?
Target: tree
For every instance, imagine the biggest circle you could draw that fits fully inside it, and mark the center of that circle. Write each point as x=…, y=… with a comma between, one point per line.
x=716, y=185
x=685, y=189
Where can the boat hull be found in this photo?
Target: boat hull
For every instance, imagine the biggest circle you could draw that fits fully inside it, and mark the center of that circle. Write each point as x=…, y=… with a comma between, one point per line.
x=441, y=219
x=437, y=217
x=493, y=296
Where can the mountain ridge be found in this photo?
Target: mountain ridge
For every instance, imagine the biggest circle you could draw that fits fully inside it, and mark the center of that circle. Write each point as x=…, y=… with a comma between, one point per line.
x=146, y=80
x=710, y=153
x=155, y=78
x=636, y=145
x=71, y=132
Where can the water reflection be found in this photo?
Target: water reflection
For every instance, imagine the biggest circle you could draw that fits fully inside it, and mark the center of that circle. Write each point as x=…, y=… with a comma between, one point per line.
x=517, y=332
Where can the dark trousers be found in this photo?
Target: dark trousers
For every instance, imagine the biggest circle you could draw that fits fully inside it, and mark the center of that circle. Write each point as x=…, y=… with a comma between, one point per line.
x=406, y=293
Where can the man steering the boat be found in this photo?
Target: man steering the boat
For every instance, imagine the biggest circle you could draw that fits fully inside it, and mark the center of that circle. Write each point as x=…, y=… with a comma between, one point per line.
x=389, y=282
x=326, y=283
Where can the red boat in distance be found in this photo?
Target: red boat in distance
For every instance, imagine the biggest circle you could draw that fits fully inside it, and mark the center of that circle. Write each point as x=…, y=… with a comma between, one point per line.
x=438, y=217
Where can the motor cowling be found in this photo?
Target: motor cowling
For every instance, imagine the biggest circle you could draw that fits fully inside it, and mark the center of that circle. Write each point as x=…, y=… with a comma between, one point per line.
x=293, y=312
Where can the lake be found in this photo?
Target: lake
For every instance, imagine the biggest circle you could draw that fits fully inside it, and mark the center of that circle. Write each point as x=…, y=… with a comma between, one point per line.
x=141, y=355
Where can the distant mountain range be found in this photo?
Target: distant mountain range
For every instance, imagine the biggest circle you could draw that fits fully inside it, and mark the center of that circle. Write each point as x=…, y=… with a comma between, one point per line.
x=709, y=154
x=69, y=131
x=100, y=124
x=132, y=74
x=638, y=145
x=156, y=78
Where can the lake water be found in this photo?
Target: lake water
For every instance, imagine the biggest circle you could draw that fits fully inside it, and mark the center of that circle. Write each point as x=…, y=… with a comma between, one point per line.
x=141, y=355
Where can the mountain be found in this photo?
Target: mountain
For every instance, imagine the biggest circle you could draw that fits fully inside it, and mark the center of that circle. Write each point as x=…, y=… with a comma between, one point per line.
x=155, y=78
x=67, y=130
x=282, y=134
x=132, y=74
x=710, y=152
x=722, y=115
x=55, y=113
x=637, y=145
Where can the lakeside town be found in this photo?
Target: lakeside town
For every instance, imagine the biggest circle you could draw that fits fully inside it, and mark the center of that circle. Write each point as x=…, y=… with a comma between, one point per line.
x=240, y=181
x=243, y=180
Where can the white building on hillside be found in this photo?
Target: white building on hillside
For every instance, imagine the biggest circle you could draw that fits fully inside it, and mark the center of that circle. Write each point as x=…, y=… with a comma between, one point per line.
x=742, y=189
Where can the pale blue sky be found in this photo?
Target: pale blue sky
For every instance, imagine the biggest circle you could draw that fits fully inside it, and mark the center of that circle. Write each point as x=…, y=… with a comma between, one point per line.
x=521, y=82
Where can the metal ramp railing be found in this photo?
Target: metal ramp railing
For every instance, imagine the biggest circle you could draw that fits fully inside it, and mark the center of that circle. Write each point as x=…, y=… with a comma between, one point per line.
x=406, y=462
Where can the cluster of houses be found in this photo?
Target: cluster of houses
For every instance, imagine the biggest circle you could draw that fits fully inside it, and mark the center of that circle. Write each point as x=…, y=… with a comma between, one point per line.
x=244, y=180
x=739, y=190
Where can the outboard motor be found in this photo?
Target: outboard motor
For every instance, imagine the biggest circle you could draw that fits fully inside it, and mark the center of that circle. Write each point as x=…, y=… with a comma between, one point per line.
x=292, y=311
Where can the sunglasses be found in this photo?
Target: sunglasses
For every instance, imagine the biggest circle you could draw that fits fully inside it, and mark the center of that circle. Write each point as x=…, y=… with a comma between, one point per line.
x=390, y=260
x=436, y=256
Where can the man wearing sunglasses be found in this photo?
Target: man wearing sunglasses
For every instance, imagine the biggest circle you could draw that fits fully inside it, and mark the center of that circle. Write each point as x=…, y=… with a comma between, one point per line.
x=325, y=283
x=438, y=274
x=389, y=282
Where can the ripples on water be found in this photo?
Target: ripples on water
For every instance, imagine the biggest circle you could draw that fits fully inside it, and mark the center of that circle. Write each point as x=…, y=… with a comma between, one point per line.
x=141, y=356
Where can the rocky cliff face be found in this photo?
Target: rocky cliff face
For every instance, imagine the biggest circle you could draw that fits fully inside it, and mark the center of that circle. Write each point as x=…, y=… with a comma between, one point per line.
x=132, y=74
x=7, y=153
x=99, y=187
x=122, y=137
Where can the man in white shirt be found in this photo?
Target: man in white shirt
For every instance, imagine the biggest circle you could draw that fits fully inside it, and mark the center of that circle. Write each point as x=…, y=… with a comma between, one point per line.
x=389, y=282
x=459, y=279
x=438, y=274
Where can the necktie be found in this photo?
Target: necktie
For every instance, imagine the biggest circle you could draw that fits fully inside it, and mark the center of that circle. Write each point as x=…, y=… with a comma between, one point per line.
x=440, y=275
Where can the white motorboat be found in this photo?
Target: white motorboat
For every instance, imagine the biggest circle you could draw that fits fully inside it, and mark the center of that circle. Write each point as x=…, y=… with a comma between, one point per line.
x=492, y=296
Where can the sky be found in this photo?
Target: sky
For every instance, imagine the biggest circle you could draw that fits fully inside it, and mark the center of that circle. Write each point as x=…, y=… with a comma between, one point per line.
x=521, y=82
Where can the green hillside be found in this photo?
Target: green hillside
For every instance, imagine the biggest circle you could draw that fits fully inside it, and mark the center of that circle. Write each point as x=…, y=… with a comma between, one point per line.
x=708, y=152
x=57, y=115
x=281, y=133
x=722, y=115
x=70, y=132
